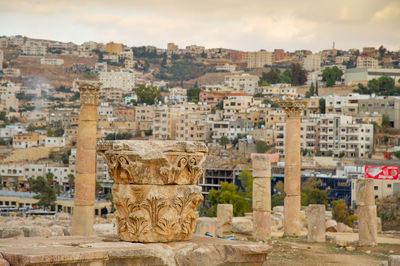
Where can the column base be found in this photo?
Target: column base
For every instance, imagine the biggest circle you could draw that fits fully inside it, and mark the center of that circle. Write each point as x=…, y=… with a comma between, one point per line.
x=291, y=212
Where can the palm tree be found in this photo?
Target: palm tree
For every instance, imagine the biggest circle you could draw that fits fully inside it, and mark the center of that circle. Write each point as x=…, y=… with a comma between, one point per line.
x=50, y=178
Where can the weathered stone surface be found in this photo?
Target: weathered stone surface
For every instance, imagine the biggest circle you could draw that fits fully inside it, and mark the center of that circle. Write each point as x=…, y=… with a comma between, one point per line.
x=241, y=225
x=316, y=222
x=3, y=262
x=261, y=225
x=331, y=226
x=341, y=227
x=365, y=192
x=147, y=213
x=367, y=225
x=394, y=260
x=292, y=222
x=379, y=224
x=261, y=165
x=224, y=218
x=153, y=162
x=206, y=225
x=262, y=194
x=11, y=232
x=93, y=251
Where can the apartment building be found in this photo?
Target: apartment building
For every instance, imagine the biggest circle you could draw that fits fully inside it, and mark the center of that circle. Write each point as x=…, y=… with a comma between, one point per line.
x=191, y=127
x=124, y=113
x=144, y=113
x=273, y=116
x=172, y=48
x=164, y=122
x=364, y=61
x=230, y=129
x=195, y=49
x=279, y=90
x=344, y=104
x=279, y=54
x=382, y=188
x=212, y=98
x=237, y=103
x=338, y=135
x=114, y=48
x=54, y=142
x=111, y=94
x=388, y=106
x=259, y=59
x=177, y=95
x=242, y=82
x=312, y=62
x=353, y=76
x=125, y=80
x=33, y=49
x=52, y=61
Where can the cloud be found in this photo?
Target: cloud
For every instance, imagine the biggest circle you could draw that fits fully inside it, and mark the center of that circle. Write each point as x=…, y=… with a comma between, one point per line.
x=246, y=25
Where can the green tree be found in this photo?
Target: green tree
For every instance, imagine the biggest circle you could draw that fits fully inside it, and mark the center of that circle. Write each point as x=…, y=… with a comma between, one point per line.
x=385, y=121
x=311, y=194
x=193, y=94
x=247, y=181
x=322, y=103
x=299, y=75
x=261, y=146
x=331, y=75
x=339, y=210
x=316, y=88
x=148, y=94
x=46, y=194
x=223, y=141
x=65, y=158
x=311, y=91
x=71, y=181
x=228, y=194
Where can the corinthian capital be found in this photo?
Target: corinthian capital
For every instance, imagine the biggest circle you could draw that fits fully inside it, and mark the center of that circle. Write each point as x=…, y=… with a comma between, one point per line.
x=292, y=107
x=89, y=91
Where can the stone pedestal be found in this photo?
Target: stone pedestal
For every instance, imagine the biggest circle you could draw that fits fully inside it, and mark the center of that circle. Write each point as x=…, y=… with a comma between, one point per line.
x=224, y=218
x=261, y=196
x=292, y=179
x=85, y=178
x=367, y=221
x=155, y=188
x=316, y=222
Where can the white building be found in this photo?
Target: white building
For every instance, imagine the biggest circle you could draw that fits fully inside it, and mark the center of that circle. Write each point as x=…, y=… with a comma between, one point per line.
x=242, y=82
x=54, y=142
x=279, y=90
x=118, y=80
x=353, y=76
x=177, y=95
x=312, y=62
x=33, y=49
x=52, y=61
x=367, y=62
x=226, y=67
x=60, y=173
x=10, y=130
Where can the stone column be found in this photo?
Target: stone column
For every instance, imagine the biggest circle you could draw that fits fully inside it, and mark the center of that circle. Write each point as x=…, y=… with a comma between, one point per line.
x=367, y=222
x=85, y=168
x=292, y=178
x=261, y=196
x=224, y=218
x=316, y=223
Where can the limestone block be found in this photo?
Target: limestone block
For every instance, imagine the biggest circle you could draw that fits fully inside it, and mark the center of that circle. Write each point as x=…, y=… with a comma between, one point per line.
x=292, y=180
x=261, y=225
x=3, y=262
x=85, y=185
x=367, y=226
x=241, y=225
x=86, y=161
x=83, y=220
x=262, y=194
x=153, y=162
x=261, y=165
x=316, y=222
x=292, y=221
x=88, y=112
x=341, y=227
x=206, y=225
x=331, y=226
x=147, y=213
x=365, y=192
x=394, y=260
x=379, y=224
x=224, y=218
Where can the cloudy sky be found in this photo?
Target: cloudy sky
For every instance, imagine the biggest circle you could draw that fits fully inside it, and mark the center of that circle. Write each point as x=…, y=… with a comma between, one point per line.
x=237, y=24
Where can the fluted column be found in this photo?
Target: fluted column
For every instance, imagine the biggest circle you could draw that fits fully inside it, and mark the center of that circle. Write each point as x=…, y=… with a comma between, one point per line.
x=292, y=177
x=85, y=168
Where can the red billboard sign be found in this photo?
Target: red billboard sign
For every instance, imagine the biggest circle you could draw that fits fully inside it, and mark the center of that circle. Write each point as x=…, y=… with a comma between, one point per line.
x=381, y=172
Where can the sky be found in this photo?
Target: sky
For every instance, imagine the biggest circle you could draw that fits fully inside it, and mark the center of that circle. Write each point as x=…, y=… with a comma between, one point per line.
x=247, y=25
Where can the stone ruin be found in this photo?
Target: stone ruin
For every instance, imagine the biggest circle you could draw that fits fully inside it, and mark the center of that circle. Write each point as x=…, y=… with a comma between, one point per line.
x=155, y=188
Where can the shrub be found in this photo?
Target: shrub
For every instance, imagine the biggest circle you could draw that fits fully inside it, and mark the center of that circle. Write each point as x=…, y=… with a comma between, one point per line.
x=349, y=220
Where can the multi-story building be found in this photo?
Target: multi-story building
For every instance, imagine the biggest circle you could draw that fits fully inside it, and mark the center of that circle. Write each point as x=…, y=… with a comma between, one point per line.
x=279, y=54
x=111, y=94
x=344, y=104
x=11, y=72
x=364, y=61
x=230, y=129
x=242, y=82
x=237, y=103
x=114, y=48
x=26, y=140
x=1, y=59
x=389, y=106
x=164, y=122
x=172, y=48
x=191, y=127
x=124, y=113
x=212, y=98
x=33, y=50
x=125, y=80
x=259, y=59
x=279, y=90
x=177, y=95
x=312, y=62
x=144, y=113
x=195, y=49
x=54, y=142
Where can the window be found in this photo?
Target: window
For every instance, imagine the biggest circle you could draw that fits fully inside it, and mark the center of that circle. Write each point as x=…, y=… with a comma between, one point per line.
x=389, y=185
x=375, y=187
